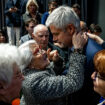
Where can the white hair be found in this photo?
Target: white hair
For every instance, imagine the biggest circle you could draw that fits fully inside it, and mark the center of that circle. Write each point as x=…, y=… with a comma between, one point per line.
x=37, y=27
x=26, y=53
x=9, y=55
x=28, y=3
x=62, y=16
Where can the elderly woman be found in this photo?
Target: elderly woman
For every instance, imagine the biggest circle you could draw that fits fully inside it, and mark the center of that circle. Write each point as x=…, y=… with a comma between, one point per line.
x=10, y=74
x=41, y=85
x=31, y=12
x=99, y=75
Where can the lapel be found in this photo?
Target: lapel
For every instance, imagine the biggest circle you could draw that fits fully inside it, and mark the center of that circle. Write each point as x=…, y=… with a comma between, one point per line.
x=14, y=1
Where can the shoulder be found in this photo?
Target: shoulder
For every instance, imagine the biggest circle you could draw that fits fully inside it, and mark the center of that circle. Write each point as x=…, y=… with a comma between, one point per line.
x=25, y=16
x=24, y=37
x=46, y=13
x=92, y=48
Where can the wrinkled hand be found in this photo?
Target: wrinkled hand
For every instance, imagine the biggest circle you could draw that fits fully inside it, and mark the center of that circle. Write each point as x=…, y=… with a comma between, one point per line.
x=79, y=40
x=95, y=37
x=53, y=55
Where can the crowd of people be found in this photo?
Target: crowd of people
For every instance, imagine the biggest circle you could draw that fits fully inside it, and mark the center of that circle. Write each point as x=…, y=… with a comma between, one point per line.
x=51, y=58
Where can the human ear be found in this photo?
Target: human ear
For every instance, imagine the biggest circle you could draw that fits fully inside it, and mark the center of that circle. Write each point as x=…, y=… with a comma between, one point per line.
x=32, y=35
x=71, y=29
x=2, y=87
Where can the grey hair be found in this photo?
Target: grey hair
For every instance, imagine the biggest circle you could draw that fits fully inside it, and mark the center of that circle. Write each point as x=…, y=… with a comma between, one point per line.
x=37, y=27
x=9, y=55
x=26, y=53
x=28, y=3
x=62, y=16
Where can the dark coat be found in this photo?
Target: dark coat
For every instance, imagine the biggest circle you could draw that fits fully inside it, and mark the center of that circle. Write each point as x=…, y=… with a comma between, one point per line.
x=13, y=19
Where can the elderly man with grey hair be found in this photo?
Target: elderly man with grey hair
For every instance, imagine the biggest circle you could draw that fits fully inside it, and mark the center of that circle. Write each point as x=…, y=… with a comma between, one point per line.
x=10, y=73
x=41, y=36
x=64, y=24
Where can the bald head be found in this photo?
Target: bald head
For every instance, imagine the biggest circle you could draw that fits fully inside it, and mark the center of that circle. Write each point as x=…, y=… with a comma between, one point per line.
x=40, y=27
x=41, y=35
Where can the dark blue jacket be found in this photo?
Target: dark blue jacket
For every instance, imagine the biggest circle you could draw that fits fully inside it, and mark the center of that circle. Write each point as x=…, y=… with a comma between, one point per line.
x=101, y=100
x=13, y=19
x=86, y=95
x=44, y=18
x=23, y=6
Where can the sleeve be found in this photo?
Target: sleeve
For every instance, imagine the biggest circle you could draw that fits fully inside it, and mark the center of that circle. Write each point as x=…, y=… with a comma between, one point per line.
x=7, y=9
x=44, y=18
x=44, y=86
x=90, y=50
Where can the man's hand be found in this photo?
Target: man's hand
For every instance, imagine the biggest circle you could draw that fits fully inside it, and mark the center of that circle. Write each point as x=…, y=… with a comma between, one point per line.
x=53, y=55
x=79, y=40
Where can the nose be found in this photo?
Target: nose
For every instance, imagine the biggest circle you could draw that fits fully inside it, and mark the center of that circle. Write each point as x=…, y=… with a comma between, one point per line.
x=44, y=38
x=93, y=76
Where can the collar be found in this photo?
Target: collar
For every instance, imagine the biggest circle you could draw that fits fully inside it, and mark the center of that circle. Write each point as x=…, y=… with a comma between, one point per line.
x=102, y=103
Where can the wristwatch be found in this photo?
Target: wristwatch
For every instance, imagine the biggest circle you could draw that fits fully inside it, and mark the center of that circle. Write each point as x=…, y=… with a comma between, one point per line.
x=79, y=50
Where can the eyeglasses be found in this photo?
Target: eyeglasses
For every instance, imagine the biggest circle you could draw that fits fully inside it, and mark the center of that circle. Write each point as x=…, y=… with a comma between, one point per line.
x=97, y=75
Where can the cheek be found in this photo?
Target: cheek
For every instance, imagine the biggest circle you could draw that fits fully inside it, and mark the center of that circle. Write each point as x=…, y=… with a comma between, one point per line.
x=38, y=40
x=37, y=60
x=99, y=87
x=61, y=37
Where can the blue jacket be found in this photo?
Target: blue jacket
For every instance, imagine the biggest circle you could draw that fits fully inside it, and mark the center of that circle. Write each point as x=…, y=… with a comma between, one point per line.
x=44, y=18
x=101, y=100
x=13, y=19
x=23, y=6
x=86, y=93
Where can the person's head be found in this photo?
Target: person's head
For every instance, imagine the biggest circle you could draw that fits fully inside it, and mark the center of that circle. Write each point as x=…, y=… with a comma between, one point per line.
x=30, y=24
x=31, y=6
x=83, y=26
x=2, y=37
x=99, y=75
x=41, y=35
x=52, y=5
x=95, y=29
x=10, y=73
x=63, y=22
x=36, y=57
x=76, y=8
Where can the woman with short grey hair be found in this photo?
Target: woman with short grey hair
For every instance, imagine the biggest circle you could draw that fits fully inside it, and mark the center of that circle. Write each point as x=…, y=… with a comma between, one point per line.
x=41, y=85
x=10, y=73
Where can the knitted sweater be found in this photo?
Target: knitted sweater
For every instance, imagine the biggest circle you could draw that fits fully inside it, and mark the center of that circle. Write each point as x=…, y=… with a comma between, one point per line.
x=45, y=88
